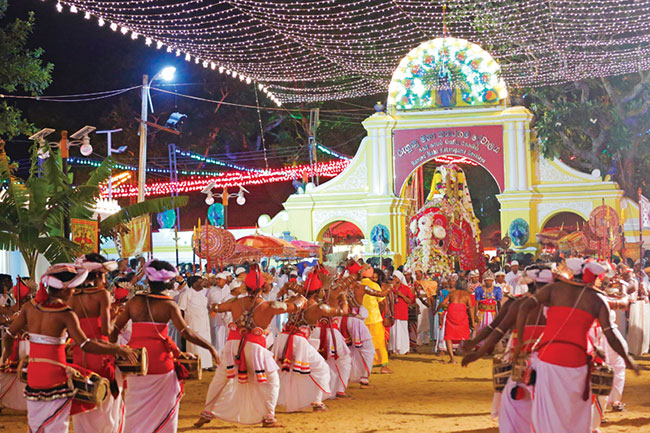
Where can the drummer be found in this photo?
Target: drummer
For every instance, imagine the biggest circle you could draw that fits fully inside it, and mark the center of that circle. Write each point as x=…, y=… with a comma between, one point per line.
x=47, y=318
x=91, y=301
x=153, y=399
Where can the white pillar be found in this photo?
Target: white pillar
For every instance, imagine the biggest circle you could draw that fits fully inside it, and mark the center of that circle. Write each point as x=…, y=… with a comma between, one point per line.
x=383, y=166
x=510, y=167
x=375, y=163
x=522, y=176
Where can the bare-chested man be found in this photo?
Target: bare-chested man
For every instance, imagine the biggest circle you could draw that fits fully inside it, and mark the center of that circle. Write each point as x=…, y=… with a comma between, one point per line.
x=459, y=301
x=562, y=401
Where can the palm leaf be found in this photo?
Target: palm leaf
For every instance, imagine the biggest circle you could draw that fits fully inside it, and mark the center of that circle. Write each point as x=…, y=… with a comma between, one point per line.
x=155, y=205
x=57, y=249
x=101, y=173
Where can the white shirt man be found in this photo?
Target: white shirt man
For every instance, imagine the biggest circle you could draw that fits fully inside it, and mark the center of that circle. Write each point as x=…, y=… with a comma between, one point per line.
x=218, y=294
x=512, y=278
x=194, y=304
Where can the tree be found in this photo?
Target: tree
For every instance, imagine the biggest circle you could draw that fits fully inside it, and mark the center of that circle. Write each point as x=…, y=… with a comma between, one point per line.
x=32, y=211
x=597, y=124
x=22, y=69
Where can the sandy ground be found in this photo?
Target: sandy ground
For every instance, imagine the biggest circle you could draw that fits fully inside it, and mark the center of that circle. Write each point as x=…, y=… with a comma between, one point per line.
x=424, y=395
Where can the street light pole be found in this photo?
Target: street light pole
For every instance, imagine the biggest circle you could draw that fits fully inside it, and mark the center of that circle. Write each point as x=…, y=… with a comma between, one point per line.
x=109, y=134
x=142, y=165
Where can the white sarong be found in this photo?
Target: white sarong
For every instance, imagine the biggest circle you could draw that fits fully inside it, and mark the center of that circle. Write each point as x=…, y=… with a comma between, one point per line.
x=49, y=416
x=308, y=377
x=195, y=306
x=339, y=360
x=12, y=390
x=515, y=415
x=362, y=350
x=152, y=403
x=558, y=406
x=245, y=403
x=399, y=337
x=645, y=347
x=636, y=327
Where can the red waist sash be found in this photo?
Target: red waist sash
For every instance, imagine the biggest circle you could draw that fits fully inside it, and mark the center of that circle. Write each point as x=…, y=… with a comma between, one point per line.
x=41, y=375
x=287, y=352
x=326, y=325
x=104, y=365
x=256, y=336
x=565, y=337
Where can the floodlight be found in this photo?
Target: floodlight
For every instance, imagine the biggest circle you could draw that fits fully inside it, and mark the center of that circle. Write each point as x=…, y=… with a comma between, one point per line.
x=86, y=149
x=208, y=188
x=241, y=200
x=167, y=73
x=209, y=200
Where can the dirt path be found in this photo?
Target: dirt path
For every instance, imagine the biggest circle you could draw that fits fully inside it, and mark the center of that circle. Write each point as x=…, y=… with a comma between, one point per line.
x=424, y=395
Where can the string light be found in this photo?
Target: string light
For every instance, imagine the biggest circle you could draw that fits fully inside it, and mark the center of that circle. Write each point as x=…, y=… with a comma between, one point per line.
x=231, y=179
x=330, y=152
x=314, y=50
x=208, y=160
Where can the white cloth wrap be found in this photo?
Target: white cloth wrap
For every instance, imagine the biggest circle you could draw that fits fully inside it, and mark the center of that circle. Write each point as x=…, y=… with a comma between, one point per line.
x=152, y=403
x=636, y=327
x=362, y=356
x=558, y=406
x=309, y=378
x=399, y=337
x=49, y=416
x=339, y=368
x=515, y=415
x=195, y=305
x=244, y=403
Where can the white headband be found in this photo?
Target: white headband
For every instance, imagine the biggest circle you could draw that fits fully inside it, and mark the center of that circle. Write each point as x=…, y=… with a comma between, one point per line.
x=52, y=281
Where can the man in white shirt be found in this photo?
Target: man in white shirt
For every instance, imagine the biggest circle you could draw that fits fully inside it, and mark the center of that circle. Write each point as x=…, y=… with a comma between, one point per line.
x=513, y=275
x=218, y=294
x=194, y=305
x=501, y=282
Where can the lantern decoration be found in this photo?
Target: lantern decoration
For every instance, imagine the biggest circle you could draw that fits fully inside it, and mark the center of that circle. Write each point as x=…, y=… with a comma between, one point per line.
x=216, y=214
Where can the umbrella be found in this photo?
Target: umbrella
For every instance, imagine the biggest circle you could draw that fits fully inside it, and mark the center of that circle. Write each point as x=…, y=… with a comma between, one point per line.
x=270, y=246
x=314, y=249
x=244, y=253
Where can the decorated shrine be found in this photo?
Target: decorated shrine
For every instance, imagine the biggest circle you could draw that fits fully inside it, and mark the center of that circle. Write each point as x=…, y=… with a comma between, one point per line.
x=448, y=103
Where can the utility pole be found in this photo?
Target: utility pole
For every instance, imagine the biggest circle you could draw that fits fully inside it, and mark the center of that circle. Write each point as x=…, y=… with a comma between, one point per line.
x=142, y=165
x=313, y=157
x=65, y=153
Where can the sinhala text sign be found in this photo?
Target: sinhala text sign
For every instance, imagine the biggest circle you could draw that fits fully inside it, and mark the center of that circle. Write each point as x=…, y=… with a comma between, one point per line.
x=414, y=147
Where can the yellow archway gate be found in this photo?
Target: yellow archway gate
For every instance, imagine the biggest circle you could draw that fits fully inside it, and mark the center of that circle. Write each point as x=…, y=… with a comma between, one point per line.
x=445, y=99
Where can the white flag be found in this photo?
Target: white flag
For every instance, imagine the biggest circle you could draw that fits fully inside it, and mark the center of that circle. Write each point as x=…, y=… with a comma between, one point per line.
x=644, y=208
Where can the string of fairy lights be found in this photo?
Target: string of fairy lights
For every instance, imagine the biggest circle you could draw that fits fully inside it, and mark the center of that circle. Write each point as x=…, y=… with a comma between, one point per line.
x=315, y=50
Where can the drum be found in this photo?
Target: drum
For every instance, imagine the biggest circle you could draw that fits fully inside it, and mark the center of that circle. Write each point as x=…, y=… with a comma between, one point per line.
x=139, y=368
x=602, y=377
x=519, y=368
x=88, y=389
x=501, y=370
x=193, y=365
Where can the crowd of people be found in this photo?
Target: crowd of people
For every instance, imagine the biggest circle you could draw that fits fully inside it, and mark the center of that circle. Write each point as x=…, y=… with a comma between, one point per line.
x=296, y=339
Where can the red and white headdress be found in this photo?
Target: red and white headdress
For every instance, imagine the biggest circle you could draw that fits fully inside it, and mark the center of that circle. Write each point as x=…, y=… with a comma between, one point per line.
x=162, y=275
x=90, y=266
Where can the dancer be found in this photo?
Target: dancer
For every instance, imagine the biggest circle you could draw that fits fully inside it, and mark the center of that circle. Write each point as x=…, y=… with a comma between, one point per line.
x=47, y=318
x=371, y=300
x=514, y=404
x=457, y=320
x=488, y=299
x=354, y=330
x=152, y=400
x=399, y=332
x=91, y=302
x=253, y=396
x=562, y=402
x=12, y=390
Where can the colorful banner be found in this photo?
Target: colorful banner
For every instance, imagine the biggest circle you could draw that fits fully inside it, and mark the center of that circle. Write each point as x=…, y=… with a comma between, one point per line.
x=414, y=147
x=85, y=233
x=138, y=240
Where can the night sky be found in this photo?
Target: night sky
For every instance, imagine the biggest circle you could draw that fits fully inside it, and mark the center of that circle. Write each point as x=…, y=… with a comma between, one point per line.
x=89, y=58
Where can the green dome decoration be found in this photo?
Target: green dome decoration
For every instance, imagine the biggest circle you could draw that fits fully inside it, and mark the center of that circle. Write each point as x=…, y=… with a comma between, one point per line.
x=444, y=73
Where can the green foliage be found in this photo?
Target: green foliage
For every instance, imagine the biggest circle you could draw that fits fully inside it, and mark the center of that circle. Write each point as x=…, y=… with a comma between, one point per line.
x=34, y=210
x=22, y=70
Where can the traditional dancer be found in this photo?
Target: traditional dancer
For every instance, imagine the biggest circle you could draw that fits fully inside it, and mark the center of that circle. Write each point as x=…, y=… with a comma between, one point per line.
x=326, y=336
x=514, y=404
x=457, y=321
x=12, y=390
x=354, y=330
x=193, y=304
x=253, y=396
x=305, y=377
x=152, y=401
x=488, y=300
x=399, y=332
x=91, y=302
x=443, y=291
x=562, y=402
x=371, y=300
x=47, y=318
